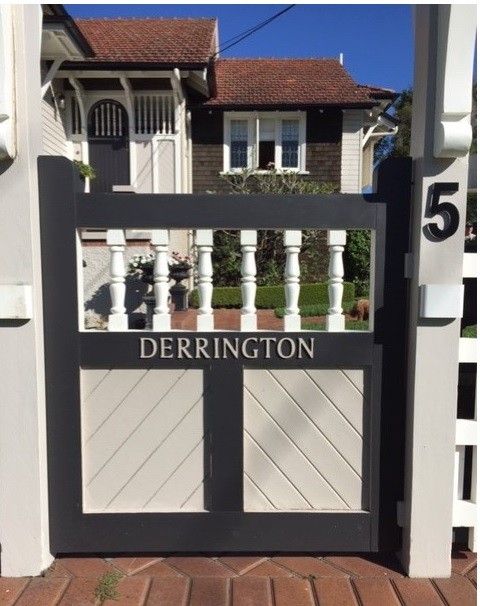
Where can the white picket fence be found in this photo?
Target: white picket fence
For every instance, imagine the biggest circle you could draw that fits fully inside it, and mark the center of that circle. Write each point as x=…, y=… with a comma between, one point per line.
x=203, y=238
x=465, y=510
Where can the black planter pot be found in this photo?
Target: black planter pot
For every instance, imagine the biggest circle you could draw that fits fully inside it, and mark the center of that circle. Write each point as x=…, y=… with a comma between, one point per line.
x=179, y=291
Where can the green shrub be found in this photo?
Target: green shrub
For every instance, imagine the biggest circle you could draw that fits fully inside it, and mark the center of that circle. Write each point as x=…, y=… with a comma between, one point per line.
x=472, y=206
x=357, y=260
x=353, y=325
x=470, y=332
x=271, y=297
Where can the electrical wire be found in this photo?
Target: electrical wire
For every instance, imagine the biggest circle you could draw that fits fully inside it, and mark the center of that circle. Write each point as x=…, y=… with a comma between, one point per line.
x=236, y=39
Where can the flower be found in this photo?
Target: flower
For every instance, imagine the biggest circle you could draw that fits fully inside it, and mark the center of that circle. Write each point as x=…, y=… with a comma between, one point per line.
x=178, y=261
x=141, y=265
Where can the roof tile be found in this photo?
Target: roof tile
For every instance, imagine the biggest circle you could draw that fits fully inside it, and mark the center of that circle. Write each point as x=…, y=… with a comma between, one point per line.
x=262, y=82
x=164, y=41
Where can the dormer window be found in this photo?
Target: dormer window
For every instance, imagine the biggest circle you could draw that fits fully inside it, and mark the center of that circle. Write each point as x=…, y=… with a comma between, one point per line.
x=262, y=140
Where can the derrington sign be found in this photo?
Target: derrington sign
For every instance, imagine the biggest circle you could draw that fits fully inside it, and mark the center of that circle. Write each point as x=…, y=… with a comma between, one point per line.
x=221, y=348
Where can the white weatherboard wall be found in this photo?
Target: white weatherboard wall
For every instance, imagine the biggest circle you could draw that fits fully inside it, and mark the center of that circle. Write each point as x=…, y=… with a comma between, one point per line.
x=53, y=128
x=352, y=155
x=23, y=473
x=142, y=440
x=304, y=440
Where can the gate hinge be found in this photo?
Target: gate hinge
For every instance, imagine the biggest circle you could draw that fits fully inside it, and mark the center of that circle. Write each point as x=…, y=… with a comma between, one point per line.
x=401, y=513
x=408, y=266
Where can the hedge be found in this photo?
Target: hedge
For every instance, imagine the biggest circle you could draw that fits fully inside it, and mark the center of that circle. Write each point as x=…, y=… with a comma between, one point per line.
x=319, y=309
x=272, y=297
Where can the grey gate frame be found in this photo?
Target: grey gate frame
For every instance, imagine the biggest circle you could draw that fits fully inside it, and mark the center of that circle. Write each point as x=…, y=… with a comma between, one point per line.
x=225, y=527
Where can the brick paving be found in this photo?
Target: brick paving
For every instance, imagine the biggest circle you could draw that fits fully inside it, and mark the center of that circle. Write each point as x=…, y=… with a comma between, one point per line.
x=250, y=580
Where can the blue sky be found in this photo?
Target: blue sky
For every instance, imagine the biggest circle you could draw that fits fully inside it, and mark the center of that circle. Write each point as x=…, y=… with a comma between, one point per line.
x=375, y=39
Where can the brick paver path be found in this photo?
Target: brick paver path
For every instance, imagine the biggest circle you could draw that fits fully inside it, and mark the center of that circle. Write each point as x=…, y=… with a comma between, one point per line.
x=252, y=580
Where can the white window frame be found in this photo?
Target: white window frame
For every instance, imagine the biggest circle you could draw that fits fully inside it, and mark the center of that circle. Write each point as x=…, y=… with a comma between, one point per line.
x=253, y=119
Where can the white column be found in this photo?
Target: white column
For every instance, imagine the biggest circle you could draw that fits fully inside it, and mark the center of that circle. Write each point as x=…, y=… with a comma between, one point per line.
x=204, y=241
x=118, y=319
x=444, y=48
x=161, y=313
x=24, y=534
x=293, y=241
x=248, y=242
x=336, y=240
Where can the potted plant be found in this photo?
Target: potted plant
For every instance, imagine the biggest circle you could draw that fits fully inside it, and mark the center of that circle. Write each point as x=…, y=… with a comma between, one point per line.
x=179, y=267
x=141, y=266
x=86, y=171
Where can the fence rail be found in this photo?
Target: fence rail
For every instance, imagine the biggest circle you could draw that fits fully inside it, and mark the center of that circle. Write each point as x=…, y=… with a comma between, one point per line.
x=465, y=509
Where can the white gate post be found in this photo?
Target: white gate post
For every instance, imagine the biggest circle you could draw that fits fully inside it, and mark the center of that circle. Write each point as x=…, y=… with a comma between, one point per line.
x=24, y=535
x=441, y=137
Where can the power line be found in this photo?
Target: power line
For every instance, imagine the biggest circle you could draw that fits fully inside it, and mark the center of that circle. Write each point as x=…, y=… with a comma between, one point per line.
x=236, y=39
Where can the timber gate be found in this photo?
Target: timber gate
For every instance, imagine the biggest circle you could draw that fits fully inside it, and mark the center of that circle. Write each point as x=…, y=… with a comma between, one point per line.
x=209, y=440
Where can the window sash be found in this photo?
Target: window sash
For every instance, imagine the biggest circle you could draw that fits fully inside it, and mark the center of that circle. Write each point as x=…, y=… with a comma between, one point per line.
x=290, y=143
x=239, y=144
x=245, y=132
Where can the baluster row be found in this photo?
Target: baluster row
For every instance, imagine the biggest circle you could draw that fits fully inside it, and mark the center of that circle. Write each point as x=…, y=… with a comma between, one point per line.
x=118, y=319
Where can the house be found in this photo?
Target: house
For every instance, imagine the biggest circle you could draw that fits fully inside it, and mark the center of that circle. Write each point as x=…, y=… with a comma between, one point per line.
x=303, y=115
x=153, y=109
x=147, y=111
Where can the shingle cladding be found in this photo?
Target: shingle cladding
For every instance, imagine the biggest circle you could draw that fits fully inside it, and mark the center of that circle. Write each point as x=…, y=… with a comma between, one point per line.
x=286, y=82
x=161, y=41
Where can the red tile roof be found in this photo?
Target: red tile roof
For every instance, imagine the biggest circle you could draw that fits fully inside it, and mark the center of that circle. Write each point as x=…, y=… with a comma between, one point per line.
x=286, y=82
x=162, y=41
x=379, y=93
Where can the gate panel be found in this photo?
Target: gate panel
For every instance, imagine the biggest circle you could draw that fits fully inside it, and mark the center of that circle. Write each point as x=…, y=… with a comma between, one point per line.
x=304, y=440
x=223, y=441
x=142, y=441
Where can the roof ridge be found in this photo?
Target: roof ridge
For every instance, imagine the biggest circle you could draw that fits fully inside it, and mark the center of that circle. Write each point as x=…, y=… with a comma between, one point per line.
x=115, y=19
x=279, y=59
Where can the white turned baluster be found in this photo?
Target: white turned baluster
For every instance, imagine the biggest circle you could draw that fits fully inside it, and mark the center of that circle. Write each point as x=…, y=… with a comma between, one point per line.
x=292, y=241
x=118, y=319
x=204, y=241
x=161, y=321
x=336, y=240
x=248, y=242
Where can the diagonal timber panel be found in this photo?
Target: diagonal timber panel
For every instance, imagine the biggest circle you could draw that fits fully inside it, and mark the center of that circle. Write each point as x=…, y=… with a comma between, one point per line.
x=142, y=440
x=303, y=440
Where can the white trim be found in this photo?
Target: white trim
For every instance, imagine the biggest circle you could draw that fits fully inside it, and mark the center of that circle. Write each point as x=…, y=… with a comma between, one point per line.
x=47, y=81
x=253, y=119
x=129, y=106
x=8, y=129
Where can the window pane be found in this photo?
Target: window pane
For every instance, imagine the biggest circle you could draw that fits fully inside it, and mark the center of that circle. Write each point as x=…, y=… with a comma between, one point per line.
x=238, y=144
x=267, y=129
x=290, y=136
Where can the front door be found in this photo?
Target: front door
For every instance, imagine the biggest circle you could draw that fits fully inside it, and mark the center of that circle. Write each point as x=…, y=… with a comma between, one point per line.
x=108, y=146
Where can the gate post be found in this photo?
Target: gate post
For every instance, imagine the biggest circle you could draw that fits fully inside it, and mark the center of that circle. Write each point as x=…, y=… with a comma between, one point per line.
x=441, y=138
x=23, y=468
